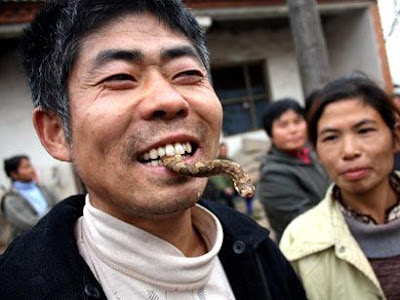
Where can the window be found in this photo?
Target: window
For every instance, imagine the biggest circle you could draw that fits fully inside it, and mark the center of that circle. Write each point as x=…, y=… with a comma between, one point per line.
x=243, y=95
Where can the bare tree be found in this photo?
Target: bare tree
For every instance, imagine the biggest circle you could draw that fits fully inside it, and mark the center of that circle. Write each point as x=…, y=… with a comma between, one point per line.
x=309, y=40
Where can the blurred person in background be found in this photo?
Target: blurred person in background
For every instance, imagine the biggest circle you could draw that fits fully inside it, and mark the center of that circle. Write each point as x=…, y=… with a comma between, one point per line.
x=26, y=201
x=220, y=188
x=348, y=247
x=291, y=179
x=5, y=227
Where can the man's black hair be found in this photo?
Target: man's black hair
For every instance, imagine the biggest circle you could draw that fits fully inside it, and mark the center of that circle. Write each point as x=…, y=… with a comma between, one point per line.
x=12, y=164
x=275, y=109
x=51, y=44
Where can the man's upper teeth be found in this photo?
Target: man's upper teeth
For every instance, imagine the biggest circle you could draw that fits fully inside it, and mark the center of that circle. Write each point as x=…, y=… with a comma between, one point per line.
x=170, y=150
x=153, y=154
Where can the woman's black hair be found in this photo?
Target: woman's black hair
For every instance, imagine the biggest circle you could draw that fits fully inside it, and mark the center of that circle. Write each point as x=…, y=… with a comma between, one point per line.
x=344, y=88
x=275, y=109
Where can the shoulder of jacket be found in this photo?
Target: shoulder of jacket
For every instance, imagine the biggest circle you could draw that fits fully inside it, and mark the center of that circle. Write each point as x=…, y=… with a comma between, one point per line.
x=11, y=193
x=310, y=232
x=276, y=165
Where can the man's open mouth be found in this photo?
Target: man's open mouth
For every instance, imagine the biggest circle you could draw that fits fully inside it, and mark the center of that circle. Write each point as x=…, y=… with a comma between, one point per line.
x=153, y=156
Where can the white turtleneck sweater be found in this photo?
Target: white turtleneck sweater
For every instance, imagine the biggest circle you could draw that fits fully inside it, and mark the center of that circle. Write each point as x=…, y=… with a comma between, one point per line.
x=130, y=263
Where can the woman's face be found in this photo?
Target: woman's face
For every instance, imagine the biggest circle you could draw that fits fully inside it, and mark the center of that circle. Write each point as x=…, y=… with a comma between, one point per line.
x=355, y=145
x=289, y=131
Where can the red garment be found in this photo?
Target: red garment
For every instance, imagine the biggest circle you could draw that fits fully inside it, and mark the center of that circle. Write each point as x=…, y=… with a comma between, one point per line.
x=303, y=155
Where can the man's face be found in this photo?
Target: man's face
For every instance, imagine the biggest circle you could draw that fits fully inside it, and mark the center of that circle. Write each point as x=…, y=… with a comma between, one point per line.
x=137, y=87
x=356, y=148
x=25, y=171
x=289, y=131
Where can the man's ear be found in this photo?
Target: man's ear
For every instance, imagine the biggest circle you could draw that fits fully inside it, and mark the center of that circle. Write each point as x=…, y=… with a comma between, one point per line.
x=51, y=133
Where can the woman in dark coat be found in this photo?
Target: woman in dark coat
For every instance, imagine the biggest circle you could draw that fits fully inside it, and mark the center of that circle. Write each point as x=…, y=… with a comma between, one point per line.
x=291, y=179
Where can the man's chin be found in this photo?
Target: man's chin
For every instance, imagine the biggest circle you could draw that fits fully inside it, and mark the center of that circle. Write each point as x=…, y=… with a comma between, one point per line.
x=165, y=209
x=177, y=208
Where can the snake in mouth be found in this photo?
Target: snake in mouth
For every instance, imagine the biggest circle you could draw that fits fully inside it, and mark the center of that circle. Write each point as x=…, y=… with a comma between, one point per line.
x=241, y=180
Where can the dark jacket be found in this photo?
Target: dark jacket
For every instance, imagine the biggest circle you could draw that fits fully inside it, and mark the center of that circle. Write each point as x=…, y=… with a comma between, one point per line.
x=44, y=263
x=289, y=187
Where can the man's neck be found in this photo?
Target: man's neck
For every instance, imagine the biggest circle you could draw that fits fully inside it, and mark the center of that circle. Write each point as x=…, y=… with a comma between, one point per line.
x=178, y=230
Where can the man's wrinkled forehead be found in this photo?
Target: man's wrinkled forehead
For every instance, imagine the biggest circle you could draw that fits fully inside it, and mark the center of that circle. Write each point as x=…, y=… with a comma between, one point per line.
x=183, y=47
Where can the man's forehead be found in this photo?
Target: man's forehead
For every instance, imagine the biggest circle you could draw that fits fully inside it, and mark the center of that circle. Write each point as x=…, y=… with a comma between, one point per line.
x=138, y=40
x=133, y=26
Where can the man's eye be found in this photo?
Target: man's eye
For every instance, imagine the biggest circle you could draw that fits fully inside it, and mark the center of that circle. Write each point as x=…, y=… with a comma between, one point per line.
x=119, y=77
x=119, y=82
x=192, y=74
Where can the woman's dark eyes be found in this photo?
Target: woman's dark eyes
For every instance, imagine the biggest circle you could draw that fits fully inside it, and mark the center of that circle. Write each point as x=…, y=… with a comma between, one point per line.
x=366, y=130
x=360, y=131
x=330, y=138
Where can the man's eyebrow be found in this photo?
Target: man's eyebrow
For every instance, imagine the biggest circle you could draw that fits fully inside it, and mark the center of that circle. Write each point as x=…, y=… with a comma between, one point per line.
x=106, y=56
x=177, y=52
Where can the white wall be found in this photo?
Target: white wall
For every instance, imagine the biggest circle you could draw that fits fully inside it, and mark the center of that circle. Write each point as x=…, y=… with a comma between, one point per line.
x=352, y=45
x=387, y=11
x=17, y=133
x=273, y=46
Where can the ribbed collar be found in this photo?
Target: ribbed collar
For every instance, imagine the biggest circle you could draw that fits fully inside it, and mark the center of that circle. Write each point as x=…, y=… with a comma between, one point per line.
x=148, y=258
x=376, y=241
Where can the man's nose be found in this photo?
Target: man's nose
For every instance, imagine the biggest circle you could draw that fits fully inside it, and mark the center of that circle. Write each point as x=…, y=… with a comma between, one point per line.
x=163, y=101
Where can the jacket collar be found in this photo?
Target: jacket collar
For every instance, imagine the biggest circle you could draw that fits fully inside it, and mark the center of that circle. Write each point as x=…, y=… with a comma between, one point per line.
x=274, y=154
x=327, y=229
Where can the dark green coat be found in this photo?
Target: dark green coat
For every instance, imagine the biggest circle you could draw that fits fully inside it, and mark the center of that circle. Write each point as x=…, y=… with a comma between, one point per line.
x=288, y=187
